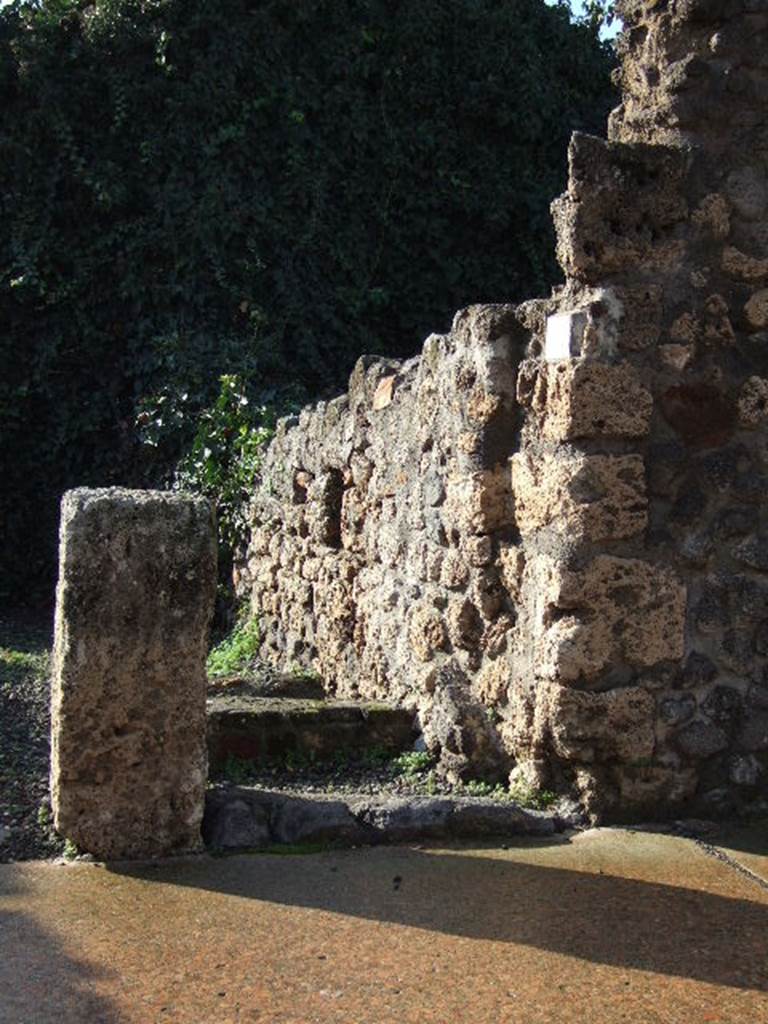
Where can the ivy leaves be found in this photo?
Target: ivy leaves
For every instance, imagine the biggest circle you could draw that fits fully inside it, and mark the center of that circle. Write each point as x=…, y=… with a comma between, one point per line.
x=238, y=199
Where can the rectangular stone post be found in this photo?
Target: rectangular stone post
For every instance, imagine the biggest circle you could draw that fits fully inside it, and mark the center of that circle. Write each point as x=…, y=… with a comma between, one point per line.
x=137, y=580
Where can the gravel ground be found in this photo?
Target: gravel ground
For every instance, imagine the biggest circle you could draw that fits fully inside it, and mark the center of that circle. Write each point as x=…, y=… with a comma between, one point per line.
x=25, y=832
x=368, y=773
x=354, y=775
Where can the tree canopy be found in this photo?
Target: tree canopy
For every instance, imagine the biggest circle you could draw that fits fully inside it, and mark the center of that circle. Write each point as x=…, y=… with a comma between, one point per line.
x=255, y=191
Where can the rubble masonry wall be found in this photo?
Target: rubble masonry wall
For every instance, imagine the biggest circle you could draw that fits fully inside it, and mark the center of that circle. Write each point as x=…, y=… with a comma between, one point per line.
x=548, y=534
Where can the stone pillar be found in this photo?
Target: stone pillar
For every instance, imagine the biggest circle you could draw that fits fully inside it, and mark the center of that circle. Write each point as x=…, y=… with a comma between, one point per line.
x=137, y=581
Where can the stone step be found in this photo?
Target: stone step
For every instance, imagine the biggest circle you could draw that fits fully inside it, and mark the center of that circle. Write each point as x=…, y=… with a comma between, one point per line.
x=253, y=727
x=241, y=818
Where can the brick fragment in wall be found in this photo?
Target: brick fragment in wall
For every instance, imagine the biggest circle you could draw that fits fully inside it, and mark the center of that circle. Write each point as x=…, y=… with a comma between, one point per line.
x=614, y=611
x=702, y=415
x=382, y=396
x=596, y=497
x=581, y=399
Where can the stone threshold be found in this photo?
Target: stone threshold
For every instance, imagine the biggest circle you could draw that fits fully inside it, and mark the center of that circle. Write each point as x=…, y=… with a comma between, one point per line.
x=252, y=727
x=242, y=818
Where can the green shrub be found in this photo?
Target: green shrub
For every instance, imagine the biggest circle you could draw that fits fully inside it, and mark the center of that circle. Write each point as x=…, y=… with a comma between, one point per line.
x=225, y=454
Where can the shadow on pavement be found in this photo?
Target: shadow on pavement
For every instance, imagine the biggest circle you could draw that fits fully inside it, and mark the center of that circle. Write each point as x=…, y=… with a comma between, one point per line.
x=600, y=918
x=752, y=839
x=35, y=971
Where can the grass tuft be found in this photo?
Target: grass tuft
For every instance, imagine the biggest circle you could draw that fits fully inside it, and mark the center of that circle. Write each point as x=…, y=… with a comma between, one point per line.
x=236, y=651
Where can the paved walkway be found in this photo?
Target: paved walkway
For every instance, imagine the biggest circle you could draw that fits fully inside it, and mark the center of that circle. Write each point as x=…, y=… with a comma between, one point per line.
x=612, y=926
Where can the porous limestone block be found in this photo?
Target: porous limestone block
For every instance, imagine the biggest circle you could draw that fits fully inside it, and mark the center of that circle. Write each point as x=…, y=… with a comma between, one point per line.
x=589, y=399
x=621, y=209
x=613, y=611
x=584, y=727
x=756, y=310
x=632, y=792
x=137, y=581
x=427, y=633
x=598, y=497
x=477, y=503
x=744, y=267
x=753, y=403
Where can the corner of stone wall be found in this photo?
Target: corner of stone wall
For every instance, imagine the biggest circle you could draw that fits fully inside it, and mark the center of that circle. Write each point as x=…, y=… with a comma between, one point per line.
x=556, y=512
x=640, y=678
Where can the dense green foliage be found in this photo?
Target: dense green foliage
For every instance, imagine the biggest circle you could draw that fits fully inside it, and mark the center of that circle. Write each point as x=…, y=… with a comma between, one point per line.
x=254, y=191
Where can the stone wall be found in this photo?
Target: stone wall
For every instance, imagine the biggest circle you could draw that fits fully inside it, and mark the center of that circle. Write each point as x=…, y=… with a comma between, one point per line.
x=548, y=534
x=384, y=522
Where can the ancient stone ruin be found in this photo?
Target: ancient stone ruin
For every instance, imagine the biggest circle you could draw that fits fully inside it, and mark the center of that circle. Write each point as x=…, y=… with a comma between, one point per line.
x=137, y=581
x=548, y=533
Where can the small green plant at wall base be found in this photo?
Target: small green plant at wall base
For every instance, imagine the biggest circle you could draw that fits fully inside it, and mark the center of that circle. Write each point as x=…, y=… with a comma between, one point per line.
x=528, y=796
x=70, y=850
x=431, y=783
x=413, y=763
x=476, y=787
x=236, y=651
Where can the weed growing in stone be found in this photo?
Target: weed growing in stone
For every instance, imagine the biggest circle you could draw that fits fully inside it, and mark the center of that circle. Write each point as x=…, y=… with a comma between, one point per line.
x=476, y=787
x=529, y=796
x=375, y=757
x=236, y=651
x=70, y=851
x=413, y=764
x=24, y=740
x=16, y=664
